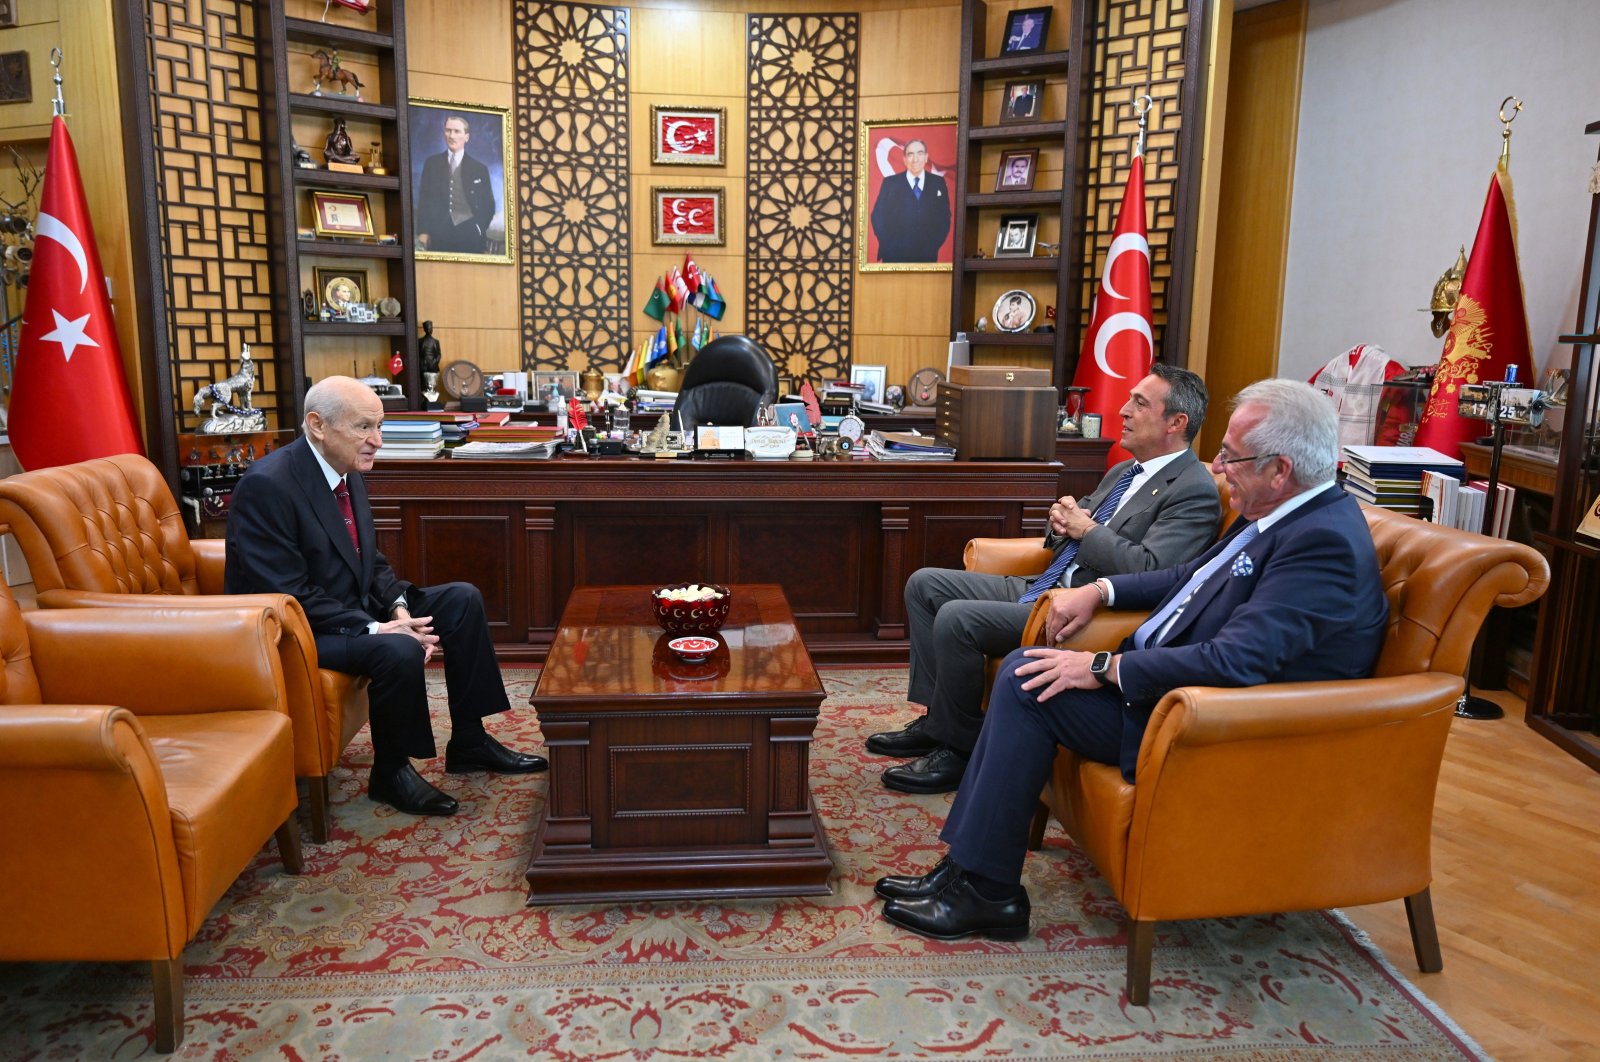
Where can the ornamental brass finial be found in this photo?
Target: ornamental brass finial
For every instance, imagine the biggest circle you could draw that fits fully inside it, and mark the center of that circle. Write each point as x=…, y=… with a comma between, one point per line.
x=1142, y=106
x=1505, y=132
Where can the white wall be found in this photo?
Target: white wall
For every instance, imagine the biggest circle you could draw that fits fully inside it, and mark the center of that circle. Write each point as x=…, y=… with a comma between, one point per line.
x=1398, y=140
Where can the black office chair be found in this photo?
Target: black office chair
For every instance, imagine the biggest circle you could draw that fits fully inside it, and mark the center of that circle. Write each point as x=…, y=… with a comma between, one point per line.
x=726, y=384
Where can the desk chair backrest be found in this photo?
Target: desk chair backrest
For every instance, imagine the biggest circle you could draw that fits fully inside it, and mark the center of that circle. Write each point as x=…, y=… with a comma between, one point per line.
x=728, y=381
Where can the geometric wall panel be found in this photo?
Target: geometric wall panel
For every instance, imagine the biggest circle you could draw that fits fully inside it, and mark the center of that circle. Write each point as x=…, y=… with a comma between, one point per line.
x=575, y=248
x=1139, y=48
x=801, y=92
x=209, y=198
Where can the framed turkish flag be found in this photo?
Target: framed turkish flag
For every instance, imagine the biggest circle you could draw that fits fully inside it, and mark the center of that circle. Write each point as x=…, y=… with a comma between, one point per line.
x=687, y=215
x=688, y=136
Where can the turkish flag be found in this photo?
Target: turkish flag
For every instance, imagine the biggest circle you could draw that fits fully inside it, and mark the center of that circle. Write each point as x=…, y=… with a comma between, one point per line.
x=1120, y=345
x=1489, y=331
x=69, y=399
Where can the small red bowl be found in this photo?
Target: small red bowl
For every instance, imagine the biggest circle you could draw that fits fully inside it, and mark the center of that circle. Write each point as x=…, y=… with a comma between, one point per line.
x=692, y=617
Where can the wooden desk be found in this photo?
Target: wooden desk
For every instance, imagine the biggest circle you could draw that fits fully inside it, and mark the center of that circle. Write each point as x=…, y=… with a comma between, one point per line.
x=671, y=780
x=840, y=537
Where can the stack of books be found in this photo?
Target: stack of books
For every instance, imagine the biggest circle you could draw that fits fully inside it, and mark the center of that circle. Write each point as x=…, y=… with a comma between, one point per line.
x=522, y=431
x=908, y=446
x=410, y=440
x=1391, y=476
x=653, y=401
x=1458, y=504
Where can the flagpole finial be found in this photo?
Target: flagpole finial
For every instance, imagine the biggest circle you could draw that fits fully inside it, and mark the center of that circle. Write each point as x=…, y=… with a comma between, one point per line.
x=1142, y=106
x=1505, y=132
x=58, y=105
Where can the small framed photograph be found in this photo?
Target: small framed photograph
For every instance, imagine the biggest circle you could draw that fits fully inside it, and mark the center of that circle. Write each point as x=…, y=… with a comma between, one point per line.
x=871, y=378
x=1014, y=310
x=616, y=384
x=1022, y=101
x=792, y=415
x=1025, y=31
x=688, y=136
x=687, y=215
x=1016, y=235
x=1017, y=166
x=551, y=390
x=341, y=290
x=341, y=214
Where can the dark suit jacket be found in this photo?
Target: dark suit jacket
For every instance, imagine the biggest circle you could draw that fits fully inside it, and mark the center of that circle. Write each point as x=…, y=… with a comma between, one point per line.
x=1022, y=106
x=1174, y=516
x=433, y=202
x=287, y=535
x=1308, y=605
x=911, y=229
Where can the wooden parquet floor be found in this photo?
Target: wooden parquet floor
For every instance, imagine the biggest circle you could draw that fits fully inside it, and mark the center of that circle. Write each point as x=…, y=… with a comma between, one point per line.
x=1516, y=893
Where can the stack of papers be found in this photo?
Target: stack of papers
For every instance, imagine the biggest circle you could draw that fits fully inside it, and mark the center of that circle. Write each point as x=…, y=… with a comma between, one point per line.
x=908, y=446
x=514, y=450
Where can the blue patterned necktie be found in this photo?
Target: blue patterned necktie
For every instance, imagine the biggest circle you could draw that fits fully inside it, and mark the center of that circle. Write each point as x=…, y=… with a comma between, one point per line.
x=916, y=188
x=1052, y=575
x=1146, y=635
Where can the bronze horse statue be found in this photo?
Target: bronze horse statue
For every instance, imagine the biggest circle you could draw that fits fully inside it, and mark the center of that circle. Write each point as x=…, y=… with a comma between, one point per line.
x=329, y=70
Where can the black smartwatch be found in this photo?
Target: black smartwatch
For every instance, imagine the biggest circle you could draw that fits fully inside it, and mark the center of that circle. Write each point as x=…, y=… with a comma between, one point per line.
x=1100, y=668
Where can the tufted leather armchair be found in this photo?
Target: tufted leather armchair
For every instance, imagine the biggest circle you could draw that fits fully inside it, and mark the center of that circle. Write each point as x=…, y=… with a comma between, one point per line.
x=727, y=383
x=145, y=757
x=1296, y=796
x=107, y=533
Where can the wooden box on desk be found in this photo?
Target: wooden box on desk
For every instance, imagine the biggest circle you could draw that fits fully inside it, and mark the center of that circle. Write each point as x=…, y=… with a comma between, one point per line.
x=997, y=423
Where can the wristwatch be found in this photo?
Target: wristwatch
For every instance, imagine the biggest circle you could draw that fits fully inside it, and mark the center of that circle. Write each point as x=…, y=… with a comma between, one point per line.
x=1100, y=668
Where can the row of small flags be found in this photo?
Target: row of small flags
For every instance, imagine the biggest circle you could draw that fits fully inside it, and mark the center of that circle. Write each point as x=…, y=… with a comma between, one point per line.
x=679, y=288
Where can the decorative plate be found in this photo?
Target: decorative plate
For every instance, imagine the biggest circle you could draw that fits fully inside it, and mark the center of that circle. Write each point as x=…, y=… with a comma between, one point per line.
x=693, y=648
x=462, y=378
x=923, y=390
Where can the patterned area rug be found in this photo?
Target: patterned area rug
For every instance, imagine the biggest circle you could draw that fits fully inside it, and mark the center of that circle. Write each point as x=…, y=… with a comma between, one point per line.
x=409, y=938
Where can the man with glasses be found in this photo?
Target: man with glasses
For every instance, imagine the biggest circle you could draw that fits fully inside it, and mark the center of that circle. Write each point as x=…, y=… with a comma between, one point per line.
x=299, y=524
x=1158, y=509
x=1292, y=594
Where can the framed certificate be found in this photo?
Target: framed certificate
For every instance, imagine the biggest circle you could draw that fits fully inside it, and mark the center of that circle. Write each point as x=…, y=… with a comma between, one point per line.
x=341, y=214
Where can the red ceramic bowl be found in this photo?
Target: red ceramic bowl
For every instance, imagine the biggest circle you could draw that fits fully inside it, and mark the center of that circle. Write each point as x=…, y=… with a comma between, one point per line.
x=692, y=617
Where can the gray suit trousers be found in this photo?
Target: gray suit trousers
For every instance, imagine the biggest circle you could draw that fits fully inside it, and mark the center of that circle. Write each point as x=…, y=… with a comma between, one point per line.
x=956, y=619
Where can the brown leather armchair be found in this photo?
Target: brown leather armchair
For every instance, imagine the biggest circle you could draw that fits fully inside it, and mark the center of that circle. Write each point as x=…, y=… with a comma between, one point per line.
x=108, y=533
x=1296, y=796
x=145, y=757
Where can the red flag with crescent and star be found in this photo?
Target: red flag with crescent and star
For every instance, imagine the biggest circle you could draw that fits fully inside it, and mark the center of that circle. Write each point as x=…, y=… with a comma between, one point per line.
x=1490, y=328
x=70, y=400
x=1120, y=344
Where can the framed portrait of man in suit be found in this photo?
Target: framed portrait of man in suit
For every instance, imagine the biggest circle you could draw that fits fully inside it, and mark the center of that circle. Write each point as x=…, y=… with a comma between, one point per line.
x=1026, y=30
x=462, y=199
x=1021, y=101
x=908, y=174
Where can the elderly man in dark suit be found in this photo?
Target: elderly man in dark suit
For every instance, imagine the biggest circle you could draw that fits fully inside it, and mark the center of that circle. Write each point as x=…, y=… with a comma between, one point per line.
x=912, y=215
x=1292, y=594
x=455, y=201
x=1155, y=510
x=299, y=524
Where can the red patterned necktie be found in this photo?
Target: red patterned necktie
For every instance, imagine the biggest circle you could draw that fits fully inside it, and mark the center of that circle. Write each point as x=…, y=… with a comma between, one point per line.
x=342, y=493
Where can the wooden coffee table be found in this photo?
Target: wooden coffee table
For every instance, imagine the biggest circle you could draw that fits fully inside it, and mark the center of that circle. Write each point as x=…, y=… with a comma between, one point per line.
x=670, y=780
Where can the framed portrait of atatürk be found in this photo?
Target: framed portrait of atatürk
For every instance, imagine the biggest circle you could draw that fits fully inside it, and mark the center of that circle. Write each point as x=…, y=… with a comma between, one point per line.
x=908, y=174
x=462, y=199
x=338, y=290
x=688, y=136
x=687, y=215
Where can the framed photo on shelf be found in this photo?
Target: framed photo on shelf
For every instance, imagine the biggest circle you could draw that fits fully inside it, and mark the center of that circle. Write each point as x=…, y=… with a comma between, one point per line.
x=1016, y=235
x=482, y=137
x=339, y=290
x=687, y=215
x=1017, y=166
x=871, y=377
x=688, y=136
x=341, y=214
x=1022, y=101
x=1014, y=311
x=908, y=170
x=1025, y=31
x=552, y=387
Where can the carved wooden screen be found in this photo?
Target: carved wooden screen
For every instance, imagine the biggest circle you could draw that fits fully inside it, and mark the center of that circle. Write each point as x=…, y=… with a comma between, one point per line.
x=201, y=113
x=801, y=91
x=575, y=247
x=1144, y=46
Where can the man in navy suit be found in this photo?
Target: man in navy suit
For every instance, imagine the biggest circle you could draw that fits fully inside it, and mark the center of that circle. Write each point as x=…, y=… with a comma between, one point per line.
x=455, y=201
x=1291, y=594
x=299, y=524
x=912, y=215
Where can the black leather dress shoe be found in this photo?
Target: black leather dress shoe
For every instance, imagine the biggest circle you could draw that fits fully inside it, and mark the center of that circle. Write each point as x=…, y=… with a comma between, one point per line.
x=487, y=754
x=905, y=887
x=406, y=790
x=957, y=911
x=910, y=740
x=939, y=771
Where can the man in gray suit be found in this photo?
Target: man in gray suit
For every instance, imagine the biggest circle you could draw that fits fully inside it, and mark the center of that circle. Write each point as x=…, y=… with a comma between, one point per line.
x=1154, y=511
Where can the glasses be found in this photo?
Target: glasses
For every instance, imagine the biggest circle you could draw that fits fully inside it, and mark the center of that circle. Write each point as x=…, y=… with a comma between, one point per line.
x=1222, y=459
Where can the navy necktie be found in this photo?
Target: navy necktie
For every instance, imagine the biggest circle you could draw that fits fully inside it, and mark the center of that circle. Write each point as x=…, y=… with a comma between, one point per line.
x=1052, y=575
x=916, y=188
